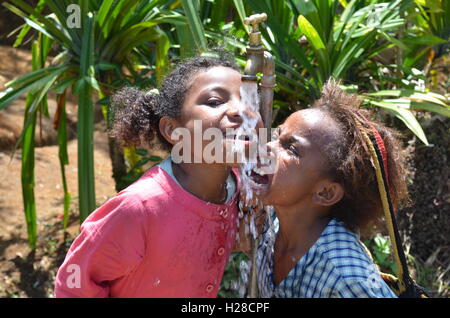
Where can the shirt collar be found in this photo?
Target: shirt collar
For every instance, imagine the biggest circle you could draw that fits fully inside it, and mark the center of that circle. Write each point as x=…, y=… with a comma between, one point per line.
x=202, y=208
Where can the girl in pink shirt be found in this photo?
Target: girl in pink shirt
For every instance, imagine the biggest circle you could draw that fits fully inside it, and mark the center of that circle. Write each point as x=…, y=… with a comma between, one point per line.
x=170, y=233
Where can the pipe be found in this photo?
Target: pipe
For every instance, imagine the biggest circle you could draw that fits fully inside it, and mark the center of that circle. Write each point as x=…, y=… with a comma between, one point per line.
x=259, y=61
x=267, y=86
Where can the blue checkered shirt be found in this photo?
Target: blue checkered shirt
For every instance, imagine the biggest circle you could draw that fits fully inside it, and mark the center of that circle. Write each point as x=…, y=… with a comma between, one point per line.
x=335, y=266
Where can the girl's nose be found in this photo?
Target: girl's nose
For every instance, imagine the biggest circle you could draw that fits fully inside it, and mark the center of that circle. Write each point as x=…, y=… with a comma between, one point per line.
x=270, y=146
x=234, y=113
x=238, y=111
x=268, y=158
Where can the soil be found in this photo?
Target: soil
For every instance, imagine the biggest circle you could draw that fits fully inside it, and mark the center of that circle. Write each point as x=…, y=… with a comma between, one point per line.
x=425, y=225
x=24, y=273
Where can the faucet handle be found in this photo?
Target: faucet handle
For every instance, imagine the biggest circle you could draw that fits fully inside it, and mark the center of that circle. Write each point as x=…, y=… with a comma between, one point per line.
x=255, y=20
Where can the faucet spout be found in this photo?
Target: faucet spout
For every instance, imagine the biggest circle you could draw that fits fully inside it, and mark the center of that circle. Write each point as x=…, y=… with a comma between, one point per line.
x=255, y=50
x=260, y=61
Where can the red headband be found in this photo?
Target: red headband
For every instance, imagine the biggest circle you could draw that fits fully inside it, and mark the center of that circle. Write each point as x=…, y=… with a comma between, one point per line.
x=379, y=142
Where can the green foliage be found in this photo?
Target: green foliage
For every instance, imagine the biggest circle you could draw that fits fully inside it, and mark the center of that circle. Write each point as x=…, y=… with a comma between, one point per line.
x=137, y=159
x=315, y=40
x=231, y=279
x=429, y=32
x=381, y=251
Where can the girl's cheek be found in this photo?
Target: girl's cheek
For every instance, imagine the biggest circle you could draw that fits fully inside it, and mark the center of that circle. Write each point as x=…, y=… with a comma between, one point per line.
x=283, y=161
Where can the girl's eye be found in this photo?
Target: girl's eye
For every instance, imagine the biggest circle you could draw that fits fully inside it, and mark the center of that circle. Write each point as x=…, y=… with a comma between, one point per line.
x=214, y=102
x=293, y=150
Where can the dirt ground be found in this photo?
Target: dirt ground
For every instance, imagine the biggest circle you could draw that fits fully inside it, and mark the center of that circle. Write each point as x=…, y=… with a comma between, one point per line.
x=23, y=273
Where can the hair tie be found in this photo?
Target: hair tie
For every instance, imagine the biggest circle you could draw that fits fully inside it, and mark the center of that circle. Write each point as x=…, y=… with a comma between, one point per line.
x=378, y=155
x=378, y=141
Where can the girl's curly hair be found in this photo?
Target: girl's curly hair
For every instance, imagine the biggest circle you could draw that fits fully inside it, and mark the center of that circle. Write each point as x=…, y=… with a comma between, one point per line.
x=136, y=113
x=349, y=161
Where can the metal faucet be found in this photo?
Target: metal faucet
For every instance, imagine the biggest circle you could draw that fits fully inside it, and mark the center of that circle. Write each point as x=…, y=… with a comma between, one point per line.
x=260, y=61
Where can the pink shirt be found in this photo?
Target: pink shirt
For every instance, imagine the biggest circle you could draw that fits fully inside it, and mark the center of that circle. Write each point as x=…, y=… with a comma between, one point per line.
x=153, y=239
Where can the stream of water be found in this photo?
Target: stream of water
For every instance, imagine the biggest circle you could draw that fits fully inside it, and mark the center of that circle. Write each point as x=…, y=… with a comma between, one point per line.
x=251, y=102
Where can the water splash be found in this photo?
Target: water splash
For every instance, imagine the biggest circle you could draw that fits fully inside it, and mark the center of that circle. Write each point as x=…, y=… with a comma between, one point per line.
x=250, y=115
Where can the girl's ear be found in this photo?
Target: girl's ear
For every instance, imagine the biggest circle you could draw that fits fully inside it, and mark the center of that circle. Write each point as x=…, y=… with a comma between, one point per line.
x=328, y=193
x=166, y=126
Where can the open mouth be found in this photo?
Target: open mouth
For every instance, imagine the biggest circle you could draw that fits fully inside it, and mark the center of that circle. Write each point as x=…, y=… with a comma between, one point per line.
x=258, y=176
x=259, y=179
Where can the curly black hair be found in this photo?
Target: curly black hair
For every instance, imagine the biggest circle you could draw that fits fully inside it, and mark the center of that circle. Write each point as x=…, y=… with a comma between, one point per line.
x=136, y=113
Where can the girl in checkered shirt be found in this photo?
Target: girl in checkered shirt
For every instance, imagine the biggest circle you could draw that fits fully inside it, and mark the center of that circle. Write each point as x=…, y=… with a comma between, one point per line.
x=324, y=193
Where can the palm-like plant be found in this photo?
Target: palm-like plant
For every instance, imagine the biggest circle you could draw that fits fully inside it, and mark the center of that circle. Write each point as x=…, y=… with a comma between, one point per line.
x=93, y=57
x=318, y=39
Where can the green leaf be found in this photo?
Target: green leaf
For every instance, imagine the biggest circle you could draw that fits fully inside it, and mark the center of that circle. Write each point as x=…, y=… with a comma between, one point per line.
x=27, y=175
x=105, y=8
x=142, y=152
x=426, y=39
x=38, y=21
x=32, y=77
x=194, y=23
x=26, y=28
x=314, y=38
x=413, y=95
x=162, y=56
x=413, y=105
x=92, y=82
x=62, y=85
x=405, y=116
x=63, y=155
x=85, y=128
x=27, y=137
x=310, y=33
x=239, y=5
x=106, y=66
x=34, y=81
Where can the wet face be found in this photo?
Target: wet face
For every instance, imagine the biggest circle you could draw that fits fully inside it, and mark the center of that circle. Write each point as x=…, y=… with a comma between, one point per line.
x=297, y=147
x=213, y=101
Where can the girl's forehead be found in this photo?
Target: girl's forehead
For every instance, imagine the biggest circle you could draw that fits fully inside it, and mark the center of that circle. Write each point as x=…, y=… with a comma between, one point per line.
x=216, y=74
x=311, y=123
x=306, y=120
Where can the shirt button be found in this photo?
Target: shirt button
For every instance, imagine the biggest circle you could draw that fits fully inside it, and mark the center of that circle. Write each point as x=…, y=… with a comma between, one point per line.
x=209, y=288
x=225, y=213
x=220, y=251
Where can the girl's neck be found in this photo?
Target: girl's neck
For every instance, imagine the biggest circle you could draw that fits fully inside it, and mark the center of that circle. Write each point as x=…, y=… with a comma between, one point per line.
x=300, y=227
x=205, y=181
